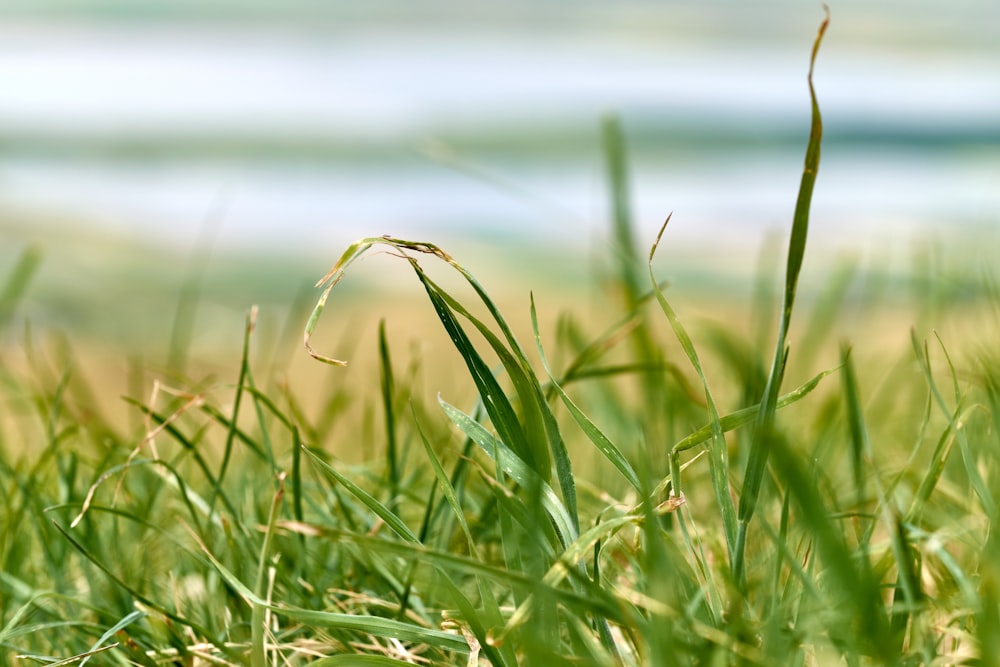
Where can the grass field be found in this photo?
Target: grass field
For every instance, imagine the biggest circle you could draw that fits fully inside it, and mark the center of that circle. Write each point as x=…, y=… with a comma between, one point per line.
x=603, y=470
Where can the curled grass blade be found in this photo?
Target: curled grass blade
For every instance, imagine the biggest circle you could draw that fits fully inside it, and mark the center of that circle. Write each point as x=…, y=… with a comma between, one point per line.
x=537, y=440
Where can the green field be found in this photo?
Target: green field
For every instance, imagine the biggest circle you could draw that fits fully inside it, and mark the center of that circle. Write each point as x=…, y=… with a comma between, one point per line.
x=596, y=461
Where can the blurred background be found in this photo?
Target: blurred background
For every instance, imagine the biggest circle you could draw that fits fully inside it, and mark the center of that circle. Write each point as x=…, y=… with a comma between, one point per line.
x=274, y=133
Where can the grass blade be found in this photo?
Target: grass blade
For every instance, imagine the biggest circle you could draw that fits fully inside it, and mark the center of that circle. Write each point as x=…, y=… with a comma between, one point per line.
x=596, y=436
x=718, y=452
x=391, y=518
x=17, y=283
x=388, y=405
x=764, y=423
x=517, y=469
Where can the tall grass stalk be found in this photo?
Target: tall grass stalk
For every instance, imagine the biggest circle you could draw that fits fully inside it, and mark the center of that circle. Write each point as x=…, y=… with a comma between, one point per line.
x=764, y=426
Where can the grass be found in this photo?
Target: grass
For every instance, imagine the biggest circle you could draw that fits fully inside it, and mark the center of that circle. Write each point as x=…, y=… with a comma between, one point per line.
x=627, y=490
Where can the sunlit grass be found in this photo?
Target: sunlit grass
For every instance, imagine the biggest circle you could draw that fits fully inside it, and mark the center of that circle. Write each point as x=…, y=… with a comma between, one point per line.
x=509, y=481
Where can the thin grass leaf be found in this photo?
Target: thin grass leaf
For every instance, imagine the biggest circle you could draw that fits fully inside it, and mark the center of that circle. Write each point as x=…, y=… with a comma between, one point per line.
x=718, y=451
x=763, y=432
x=543, y=439
x=258, y=621
x=744, y=416
x=147, y=601
x=448, y=562
x=359, y=661
x=957, y=426
x=328, y=282
x=855, y=421
x=111, y=632
x=81, y=658
x=517, y=469
x=227, y=448
x=862, y=592
x=490, y=609
x=390, y=518
x=366, y=624
x=388, y=406
x=18, y=281
x=591, y=430
x=168, y=427
x=263, y=425
x=449, y=491
x=971, y=465
x=908, y=595
x=501, y=412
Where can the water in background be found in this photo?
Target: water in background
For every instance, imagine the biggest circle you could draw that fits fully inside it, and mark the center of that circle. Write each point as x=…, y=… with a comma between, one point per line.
x=301, y=128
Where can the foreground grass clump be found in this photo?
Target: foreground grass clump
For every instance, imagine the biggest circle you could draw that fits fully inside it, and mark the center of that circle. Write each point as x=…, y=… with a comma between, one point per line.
x=633, y=494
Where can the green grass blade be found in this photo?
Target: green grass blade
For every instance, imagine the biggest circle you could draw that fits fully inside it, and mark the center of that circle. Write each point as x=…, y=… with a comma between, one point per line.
x=498, y=407
x=718, y=451
x=855, y=422
x=359, y=661
x=764, y=423
x=593, y=433
x=146, y=600
x=373, y=625
x=517, y=469
x=227, y=449
x=390, y=518
x=490, y=609
x=624, y=246
x=957, y=426
x=543, y=439
x=846, y=580
x=110, y=632
x=258, y=627
x=17, y=282
x=744, y=416
x=388, y=405
x=449, y=491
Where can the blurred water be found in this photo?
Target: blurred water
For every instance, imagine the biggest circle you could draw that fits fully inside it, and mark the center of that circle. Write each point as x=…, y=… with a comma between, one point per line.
x=308, y=139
